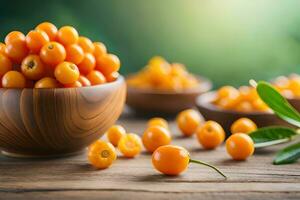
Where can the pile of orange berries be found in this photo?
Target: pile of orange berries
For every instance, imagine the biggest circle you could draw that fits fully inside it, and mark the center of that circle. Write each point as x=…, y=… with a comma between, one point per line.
x=170, y=159
x=48, y=57
x=161, y=75
x=288, y=86
x=243, y=99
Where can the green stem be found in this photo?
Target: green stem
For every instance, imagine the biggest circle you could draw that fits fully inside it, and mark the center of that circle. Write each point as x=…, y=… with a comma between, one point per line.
x=208, y=165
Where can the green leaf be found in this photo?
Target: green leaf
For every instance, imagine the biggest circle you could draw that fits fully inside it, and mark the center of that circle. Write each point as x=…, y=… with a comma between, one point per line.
x=278, y=103
x=288, y=155
x=272, y=135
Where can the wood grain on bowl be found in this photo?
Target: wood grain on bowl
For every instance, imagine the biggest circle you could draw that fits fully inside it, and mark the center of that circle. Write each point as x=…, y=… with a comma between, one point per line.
x=227, y=117
x=151, y=101
x=45, y=122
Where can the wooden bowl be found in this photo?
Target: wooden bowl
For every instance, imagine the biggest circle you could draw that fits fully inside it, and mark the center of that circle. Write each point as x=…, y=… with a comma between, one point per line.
x=54, y=122
x=227, y=117
x=148, y=101
x=295, y=102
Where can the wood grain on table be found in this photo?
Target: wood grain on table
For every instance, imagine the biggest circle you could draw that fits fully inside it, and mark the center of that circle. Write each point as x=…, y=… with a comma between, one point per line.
x=73, y=178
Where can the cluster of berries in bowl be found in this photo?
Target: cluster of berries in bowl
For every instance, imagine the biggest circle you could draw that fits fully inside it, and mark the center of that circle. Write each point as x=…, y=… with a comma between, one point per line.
x=48, y=57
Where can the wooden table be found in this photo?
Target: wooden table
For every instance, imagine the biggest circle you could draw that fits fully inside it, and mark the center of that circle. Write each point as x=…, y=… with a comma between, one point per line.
x=73, y=178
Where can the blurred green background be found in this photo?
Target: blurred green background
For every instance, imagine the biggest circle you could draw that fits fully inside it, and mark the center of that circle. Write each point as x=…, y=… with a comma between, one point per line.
x=229, y=41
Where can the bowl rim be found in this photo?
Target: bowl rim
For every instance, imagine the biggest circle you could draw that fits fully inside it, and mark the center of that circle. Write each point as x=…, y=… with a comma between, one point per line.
x=116, y=82
x=203, y=101
x=205, y=85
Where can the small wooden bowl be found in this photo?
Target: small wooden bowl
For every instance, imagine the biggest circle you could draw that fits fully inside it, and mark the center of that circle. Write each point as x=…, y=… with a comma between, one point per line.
x=227, y=117
x=153, y=102
x=295, y=102
x=54, y=122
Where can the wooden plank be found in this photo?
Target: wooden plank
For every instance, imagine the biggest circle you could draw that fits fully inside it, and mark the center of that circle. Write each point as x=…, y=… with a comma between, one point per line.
x=74, y=178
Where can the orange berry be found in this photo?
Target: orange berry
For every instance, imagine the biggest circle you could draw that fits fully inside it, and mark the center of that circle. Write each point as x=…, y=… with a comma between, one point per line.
x=130, y=145
x=188, y=121
x=75, y=54
x=35, y=40
x=243, y=125
x=112, y=77
x=115, y=133
x=108, y=63
x=102, y=154
x=2, y=48
x=86, y=44
x=99, y=49
x=96, y=77
x=67, y=35
x=154, y=137
x=227, y=92
x=16, y=51
x=5, y=64
x=14, y=36
x=158, y=121
x=53, y=53
x=66, y=73
x=170, y=159
x=210, y=135
x=84, y=81
x=13, y=79
x=239, y=146
x=47, y=82
x=87, y=64
x=49, y=29
x=244, y=106
x=33, y=68
x=76, y=84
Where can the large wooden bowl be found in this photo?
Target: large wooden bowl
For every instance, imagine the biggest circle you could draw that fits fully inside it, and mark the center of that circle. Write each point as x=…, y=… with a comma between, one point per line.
x=227, y=117
x=53, y=122
x=156, y=102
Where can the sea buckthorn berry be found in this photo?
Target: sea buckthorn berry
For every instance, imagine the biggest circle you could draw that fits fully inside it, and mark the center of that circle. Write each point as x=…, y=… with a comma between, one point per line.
x=210, y=135
x=112, y=77
x=240, y=146
x=108, y=64
x=86, y=44
x=173, y=160
x=96, y=77
x=67, y=35
x=33, y=68
x=13, y=79
x=130, y=145
x=188, y=121
x=243, y=125
x=76, y=84
x=87, y=64
x=49, y=28
x=99, y=49
x=170, y=160
x=75, y=54
x=14, y=36
x=115, y=133
x=35, y=40
x=154, y=137
x=102, y=154
x=227, y=92
x=244, y=106
x=158, y=121
x=5, y=64
x=53, y=53
x=16, y=51
x=84, y=81
x=157, y=60
x=2, y=48
x=66, y=73
x=47, y=82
